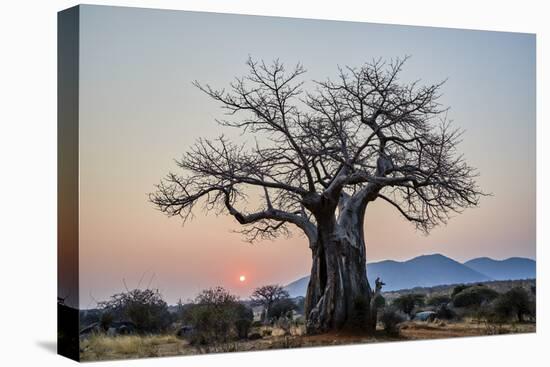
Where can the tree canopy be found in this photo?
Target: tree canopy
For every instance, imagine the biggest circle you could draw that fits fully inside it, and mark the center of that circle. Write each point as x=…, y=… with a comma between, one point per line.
x=365, y=134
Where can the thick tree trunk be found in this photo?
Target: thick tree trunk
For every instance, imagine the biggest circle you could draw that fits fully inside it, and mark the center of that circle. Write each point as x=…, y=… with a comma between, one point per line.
x=339, y=295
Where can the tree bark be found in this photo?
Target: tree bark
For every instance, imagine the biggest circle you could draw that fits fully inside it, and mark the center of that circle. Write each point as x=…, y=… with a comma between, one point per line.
x=339, y=294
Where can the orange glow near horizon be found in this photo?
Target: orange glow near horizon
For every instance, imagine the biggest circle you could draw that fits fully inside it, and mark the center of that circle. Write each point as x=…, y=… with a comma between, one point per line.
x=242, y=278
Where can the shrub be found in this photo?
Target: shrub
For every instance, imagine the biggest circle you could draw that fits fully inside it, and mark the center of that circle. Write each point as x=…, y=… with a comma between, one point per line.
x=216, y=317
x=212, y=316
x=459, y=288
x=281, y=308
x=244, y=320
x=474, y=296
x=486, y=312
x=438, y=300
x=514, y=303
x=443, y=312
x=408, y=302
x=390, y=320
x=106, y=320
x=145, y=308
x=256, y=323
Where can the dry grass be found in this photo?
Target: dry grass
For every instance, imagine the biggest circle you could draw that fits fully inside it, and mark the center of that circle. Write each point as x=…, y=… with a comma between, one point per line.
x=102, y=347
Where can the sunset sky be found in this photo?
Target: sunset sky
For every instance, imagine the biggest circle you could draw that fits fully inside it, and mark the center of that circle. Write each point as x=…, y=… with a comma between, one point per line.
x=139, y=111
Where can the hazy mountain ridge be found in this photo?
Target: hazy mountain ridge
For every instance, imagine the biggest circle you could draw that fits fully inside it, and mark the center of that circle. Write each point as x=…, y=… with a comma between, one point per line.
x=512, y=268
x=436, y=269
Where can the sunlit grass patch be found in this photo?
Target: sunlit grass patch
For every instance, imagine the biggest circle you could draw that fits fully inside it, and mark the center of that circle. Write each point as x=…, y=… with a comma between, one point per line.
x=135, y=346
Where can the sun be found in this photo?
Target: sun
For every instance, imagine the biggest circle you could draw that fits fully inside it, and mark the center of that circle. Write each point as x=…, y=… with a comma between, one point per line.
x=242, y=278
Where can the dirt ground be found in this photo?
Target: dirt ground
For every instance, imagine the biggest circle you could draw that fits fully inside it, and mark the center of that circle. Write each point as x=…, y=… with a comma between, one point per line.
x=101, y=347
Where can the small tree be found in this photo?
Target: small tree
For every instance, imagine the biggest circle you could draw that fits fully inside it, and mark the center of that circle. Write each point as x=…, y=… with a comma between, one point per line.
x=267, y=295
x=408, y=302
x=514, y=303
x=145, y=308
x=474, y=296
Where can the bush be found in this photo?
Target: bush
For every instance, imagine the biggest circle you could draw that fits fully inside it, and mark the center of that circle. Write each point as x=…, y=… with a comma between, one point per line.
x=217, y=316
x=390, y=320
x=281, y=308
x=106, y=320
x=256, y=323
x=443, y=312
x=514, y=303
x=408, y=302
x=474, y=296
x=486, y=312
x=438, y=300
x=145, y=308
x=459, y=288
x=245, y=316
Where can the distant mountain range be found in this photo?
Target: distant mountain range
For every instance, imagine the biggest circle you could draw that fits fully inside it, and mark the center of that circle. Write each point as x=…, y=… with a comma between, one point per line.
x=512, y=268
x=436, y=269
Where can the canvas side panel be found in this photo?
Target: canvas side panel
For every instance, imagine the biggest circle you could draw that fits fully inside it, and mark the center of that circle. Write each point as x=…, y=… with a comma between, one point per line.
x=67, y=182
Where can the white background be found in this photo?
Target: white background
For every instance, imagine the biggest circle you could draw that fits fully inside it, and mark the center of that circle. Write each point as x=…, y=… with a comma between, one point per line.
x=28, y=181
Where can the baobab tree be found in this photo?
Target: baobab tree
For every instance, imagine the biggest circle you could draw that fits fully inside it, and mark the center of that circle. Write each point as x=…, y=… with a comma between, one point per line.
x=317, y=159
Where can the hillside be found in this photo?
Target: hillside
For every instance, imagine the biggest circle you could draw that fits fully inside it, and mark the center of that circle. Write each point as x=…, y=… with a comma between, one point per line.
x=436, y=269
x=500, y=286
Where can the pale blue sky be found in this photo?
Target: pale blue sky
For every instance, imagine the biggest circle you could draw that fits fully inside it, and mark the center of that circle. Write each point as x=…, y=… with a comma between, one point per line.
x=139, y=111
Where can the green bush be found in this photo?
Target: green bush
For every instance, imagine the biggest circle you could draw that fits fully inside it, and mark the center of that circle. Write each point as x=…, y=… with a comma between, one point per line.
x=474, y=296
x=438, y=300
x=245, y=316
x=217, y=317
x=390, y=320
x=443, y=312
x=281, y=308
x=459, y=288
x=106, y=320
x=408, y=302
x=256, y=323
x=145, y=308
x=515, y=303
